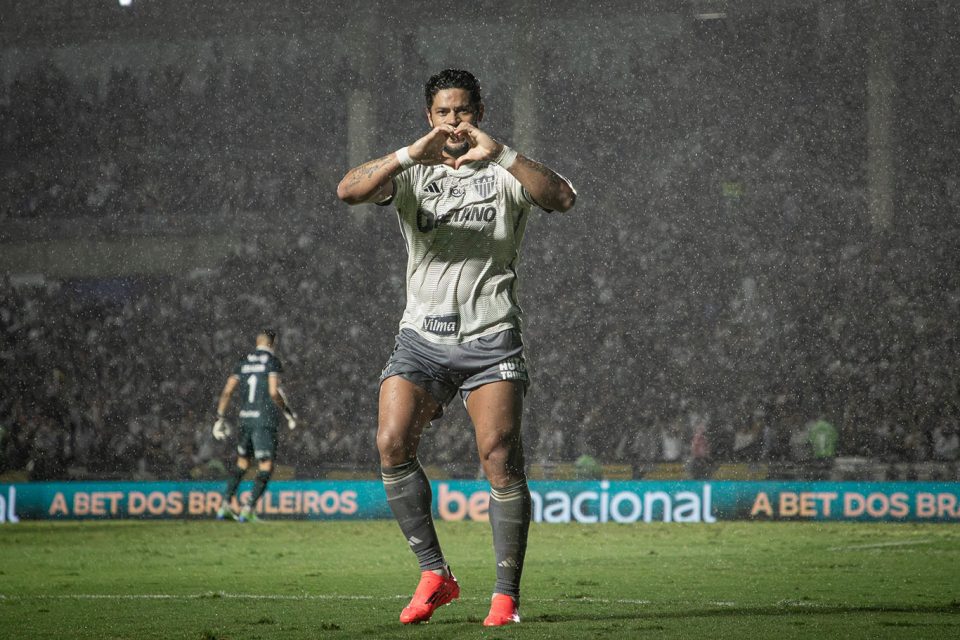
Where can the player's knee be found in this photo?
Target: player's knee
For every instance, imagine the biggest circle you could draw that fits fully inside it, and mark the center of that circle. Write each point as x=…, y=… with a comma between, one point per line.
x=394, y=449
x=502, y=463
x=497, y=446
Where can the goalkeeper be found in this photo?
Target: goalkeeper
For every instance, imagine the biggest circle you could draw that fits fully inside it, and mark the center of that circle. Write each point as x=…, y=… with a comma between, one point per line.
x=258, y=377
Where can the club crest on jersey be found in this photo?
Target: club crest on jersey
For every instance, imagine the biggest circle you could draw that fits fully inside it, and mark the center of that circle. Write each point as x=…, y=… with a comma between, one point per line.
x=442, y=325
x=483, y=186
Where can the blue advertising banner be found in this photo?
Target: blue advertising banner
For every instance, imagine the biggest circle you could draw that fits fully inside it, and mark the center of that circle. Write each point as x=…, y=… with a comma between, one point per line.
x=553, y=501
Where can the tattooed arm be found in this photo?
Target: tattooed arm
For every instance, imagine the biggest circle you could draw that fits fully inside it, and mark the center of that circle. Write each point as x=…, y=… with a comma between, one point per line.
x=548, y=188
x=373, y=181
x=370, y=182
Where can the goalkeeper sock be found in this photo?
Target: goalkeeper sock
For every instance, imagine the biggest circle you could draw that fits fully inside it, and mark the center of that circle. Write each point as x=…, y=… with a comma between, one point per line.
x=259, y=486
x=410, y=496
x=510, y=521
x=232, y=484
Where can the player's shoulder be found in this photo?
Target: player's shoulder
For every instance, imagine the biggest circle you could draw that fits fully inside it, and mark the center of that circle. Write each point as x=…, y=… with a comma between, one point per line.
x=258, y=358
x=274, y=362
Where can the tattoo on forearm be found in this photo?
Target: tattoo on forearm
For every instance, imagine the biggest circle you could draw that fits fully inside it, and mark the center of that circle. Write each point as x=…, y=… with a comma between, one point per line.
x=368, y=169
x=551, y=176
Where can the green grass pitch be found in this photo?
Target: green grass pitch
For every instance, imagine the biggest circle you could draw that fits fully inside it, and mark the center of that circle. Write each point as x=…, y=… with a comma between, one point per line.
x=203, y=580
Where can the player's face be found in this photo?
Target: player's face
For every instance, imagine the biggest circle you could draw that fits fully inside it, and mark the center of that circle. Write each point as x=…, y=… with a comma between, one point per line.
x=453, y=106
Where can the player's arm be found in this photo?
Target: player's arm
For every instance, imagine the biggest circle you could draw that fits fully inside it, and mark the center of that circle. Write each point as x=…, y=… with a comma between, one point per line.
x=548, y=188
x=280, y=399
x=220, y=428
x=373, y=181
x=370, y=182
x=224, y=403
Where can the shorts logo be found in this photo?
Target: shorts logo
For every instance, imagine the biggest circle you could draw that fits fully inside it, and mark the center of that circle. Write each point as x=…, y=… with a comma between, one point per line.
x=513, y=369
x=483, y=186
x=442, y=325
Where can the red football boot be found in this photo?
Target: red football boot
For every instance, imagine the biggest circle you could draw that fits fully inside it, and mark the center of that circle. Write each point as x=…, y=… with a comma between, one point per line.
x=433, y=592
x=503, y=610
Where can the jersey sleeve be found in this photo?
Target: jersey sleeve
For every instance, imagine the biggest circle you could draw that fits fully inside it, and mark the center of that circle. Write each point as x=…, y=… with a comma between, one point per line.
x=404, y=191
x=516, y=193
x=274, y=366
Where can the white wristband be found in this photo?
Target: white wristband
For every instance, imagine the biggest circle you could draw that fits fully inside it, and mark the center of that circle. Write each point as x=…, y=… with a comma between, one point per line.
x=507, y=157
x=403, y=157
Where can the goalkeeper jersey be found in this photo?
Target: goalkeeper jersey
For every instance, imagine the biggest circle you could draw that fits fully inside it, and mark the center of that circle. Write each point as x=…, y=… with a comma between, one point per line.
x=463, y=229
x=254, y=371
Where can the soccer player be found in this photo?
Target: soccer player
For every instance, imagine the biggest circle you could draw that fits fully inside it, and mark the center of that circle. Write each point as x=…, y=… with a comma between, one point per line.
x=257, y=374
x=463, y=200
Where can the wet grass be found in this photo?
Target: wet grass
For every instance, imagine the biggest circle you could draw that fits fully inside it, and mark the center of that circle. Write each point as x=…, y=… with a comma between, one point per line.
x=219, y=581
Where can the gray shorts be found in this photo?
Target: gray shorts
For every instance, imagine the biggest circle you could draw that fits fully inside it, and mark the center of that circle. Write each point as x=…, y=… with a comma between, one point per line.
x=444, y=369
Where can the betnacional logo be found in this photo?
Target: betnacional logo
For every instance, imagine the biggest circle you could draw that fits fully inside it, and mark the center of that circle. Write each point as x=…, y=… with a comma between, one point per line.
x=590, y=506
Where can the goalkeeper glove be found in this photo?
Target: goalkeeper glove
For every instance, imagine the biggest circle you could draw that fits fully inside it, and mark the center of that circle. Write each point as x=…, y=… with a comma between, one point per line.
x=220, y=428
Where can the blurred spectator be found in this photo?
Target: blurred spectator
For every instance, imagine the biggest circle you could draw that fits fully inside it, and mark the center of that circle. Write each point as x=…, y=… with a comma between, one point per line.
x=700, y=462
x=822, y=438
x=946, y=440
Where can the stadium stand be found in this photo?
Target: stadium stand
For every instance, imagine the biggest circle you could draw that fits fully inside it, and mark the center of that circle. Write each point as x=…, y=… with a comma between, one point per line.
x=736, y=278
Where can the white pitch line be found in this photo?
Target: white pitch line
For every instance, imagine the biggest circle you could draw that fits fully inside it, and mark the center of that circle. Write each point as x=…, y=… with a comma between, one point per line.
x=303, y=597
x=349, y=597
x=786, y=604
x=190, y=596
x=879, y=545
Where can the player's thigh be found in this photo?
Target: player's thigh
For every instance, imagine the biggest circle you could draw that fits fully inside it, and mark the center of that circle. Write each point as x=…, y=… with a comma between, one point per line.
x=496, y=410
x=264, y=439
x=245, y=441
x=405, y=409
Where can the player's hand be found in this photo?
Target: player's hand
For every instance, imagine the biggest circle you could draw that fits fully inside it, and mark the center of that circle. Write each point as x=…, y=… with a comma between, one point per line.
x=429, y=149
x=482, y=146
x=221, y=429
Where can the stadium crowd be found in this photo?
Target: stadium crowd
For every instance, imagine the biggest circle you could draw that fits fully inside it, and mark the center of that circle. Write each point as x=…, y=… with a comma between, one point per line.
x=734, y=286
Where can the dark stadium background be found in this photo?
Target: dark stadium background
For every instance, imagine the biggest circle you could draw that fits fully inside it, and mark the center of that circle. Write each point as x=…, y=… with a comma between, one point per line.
x=766, y=232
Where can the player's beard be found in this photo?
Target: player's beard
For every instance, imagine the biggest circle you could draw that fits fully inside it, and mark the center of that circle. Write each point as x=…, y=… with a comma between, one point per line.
x=456, y=150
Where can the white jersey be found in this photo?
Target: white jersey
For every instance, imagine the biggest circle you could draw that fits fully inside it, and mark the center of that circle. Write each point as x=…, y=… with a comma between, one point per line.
x=463, y=229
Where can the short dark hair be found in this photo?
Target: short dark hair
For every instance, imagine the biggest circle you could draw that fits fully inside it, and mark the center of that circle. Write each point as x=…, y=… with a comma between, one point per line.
x=452, y=79
x=270, y=335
